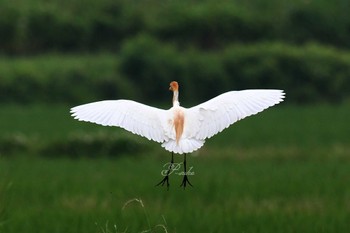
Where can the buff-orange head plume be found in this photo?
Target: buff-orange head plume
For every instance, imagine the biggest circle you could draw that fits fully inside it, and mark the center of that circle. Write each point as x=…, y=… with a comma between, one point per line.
x=174, y=86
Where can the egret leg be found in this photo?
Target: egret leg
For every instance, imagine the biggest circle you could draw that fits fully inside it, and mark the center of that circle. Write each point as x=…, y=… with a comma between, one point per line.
x=166, y=178
x=185, y=179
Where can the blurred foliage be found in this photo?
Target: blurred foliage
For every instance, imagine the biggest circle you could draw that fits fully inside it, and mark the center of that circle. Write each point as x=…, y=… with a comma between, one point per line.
x=144, y=67
x=60, y=78
x=75, y=146
x=208, y=46
x=35, y=26
x=95, y=145
x=308, y=73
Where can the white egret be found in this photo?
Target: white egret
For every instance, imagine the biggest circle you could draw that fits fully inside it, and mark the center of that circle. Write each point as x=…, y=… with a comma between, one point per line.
x=180, y=130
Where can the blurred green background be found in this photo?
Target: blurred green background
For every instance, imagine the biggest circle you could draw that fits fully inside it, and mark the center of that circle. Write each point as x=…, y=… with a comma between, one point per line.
x=285, y=170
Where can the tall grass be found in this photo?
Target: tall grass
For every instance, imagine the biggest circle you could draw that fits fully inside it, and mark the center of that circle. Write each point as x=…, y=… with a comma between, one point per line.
x=229, y=194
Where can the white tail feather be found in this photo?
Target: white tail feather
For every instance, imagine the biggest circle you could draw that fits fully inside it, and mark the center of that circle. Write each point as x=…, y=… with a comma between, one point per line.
x=185, y=145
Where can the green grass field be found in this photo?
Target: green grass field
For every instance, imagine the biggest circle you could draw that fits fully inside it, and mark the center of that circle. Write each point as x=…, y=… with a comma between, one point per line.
x=285, y=170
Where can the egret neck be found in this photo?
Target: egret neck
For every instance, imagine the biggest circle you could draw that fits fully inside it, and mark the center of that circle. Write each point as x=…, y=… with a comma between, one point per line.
x=176, y=99
x=179, y=117
x=174, y=86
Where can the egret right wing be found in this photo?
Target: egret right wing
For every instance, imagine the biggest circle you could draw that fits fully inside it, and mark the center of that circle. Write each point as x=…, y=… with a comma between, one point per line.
x=213, y=116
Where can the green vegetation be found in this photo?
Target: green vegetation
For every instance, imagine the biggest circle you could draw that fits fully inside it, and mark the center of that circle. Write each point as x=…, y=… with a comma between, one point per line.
x=59, y=78
x=307, y=73
x=285, y=170
x=310, y=73
x=39, y=26
x=79, y=51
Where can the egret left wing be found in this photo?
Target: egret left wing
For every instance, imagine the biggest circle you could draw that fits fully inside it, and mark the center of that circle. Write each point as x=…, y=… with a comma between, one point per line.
x=135, y=117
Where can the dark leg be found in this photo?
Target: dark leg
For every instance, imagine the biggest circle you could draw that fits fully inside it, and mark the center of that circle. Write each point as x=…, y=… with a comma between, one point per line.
x=166, y=178
x=185, y=179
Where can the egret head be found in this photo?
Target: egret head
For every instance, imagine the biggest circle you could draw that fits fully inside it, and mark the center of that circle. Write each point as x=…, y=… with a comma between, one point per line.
x=174, y=86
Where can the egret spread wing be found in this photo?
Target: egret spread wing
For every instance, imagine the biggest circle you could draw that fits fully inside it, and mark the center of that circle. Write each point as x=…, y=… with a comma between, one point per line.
x=220, y=112
x=137, y=118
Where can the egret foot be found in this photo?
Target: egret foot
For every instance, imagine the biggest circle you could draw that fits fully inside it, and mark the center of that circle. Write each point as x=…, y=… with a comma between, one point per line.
x=166, y=178
x=163, y=181
x=185, y=181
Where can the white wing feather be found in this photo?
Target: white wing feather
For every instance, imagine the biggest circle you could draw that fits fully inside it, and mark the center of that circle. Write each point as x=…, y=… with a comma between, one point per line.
x=137, y=118
x=215, y=115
